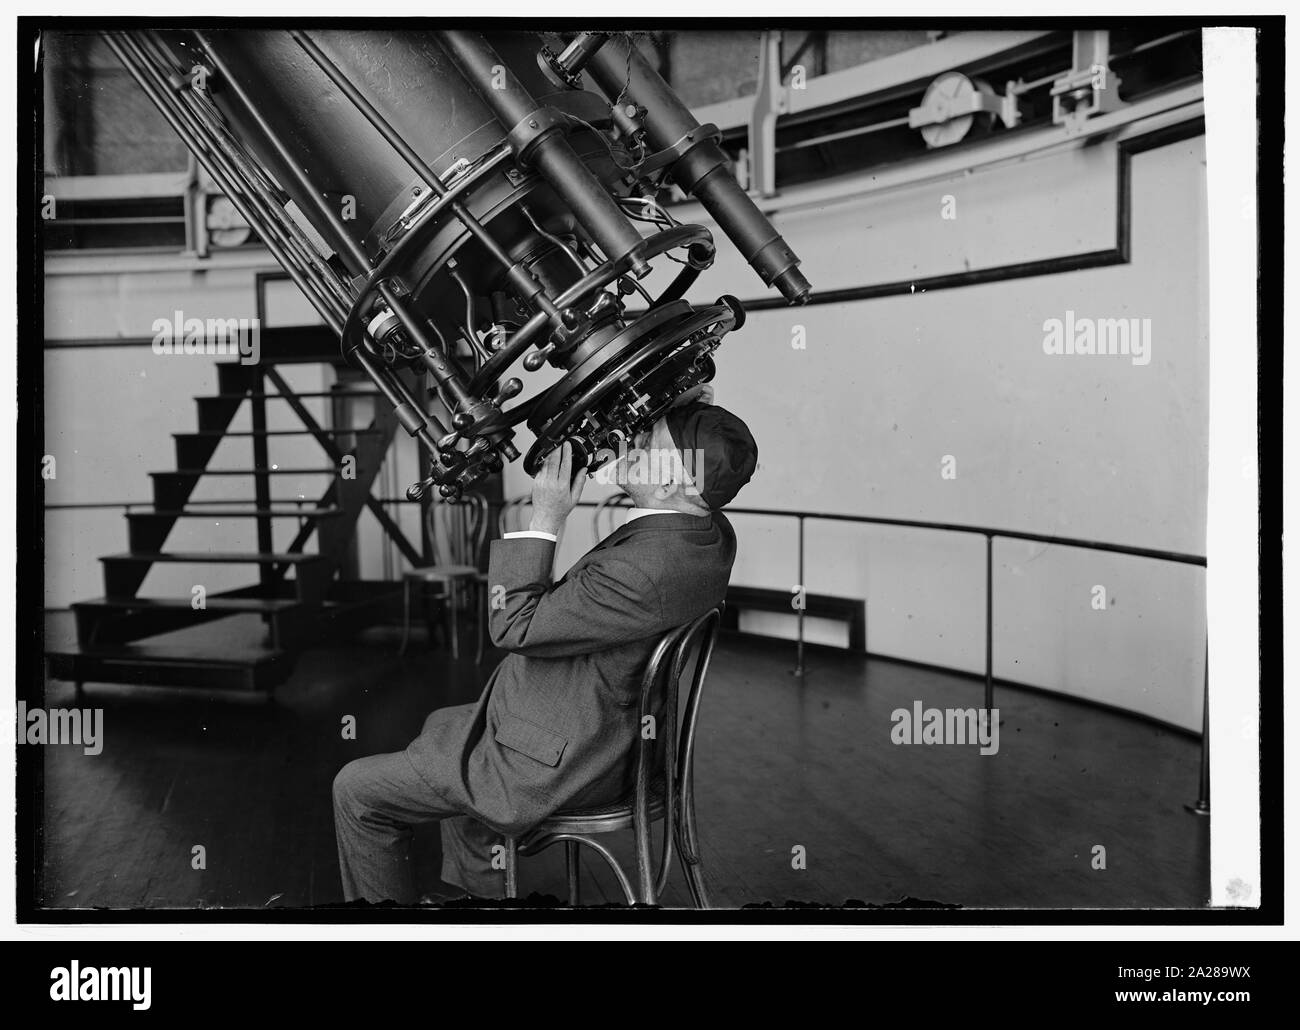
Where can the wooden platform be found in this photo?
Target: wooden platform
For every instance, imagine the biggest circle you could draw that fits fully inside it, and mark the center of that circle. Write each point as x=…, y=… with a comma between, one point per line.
x=782, y=764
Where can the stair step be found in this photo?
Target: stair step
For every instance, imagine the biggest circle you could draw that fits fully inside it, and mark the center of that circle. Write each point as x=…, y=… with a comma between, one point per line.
x=127, y=663
x=288, y=621
x=125, y=573
x=299, y=345
x=342, y=395
x=283, y=512
x=326, y=471
x=264, y=605
x=224, y=654
x=217, y=650
x=113, y=621
x=198, y=507
x=230, y=650
x=215, y=557
x=218, y=433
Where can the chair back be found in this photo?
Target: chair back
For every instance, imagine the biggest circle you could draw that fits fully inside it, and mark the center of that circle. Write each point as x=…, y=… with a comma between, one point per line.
x=606, y=514
x=669, y=755
x=457, y=529
x=511, y=517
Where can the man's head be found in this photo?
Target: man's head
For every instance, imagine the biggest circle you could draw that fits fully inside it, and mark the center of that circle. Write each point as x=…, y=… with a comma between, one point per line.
x=694, y=460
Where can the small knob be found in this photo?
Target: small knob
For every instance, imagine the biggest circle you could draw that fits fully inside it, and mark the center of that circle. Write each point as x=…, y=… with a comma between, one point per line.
x=700, y=255
x=462, y=420
x=509, y=388
x=537, y=359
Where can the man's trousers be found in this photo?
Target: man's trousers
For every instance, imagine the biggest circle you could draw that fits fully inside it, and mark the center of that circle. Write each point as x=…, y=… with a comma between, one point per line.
x=378, y=801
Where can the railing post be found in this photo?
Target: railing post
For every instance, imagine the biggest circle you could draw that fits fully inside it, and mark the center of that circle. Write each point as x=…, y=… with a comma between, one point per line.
x=261, y=476
x=267, y=575
x=801, y=597
x=988, y=623
x=424, y=468
x=1201, y=806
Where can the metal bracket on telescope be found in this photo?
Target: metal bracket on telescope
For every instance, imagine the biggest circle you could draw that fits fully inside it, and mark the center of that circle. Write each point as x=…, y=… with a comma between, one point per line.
x=706, y=133
x=533, y=129
x=565, y=69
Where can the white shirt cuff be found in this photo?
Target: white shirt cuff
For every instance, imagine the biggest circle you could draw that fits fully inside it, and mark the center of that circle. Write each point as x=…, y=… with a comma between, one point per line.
x=535, y=534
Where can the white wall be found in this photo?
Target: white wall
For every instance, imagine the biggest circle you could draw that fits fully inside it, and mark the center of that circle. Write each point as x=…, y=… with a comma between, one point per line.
x=110, y=412
x=1088, y=447
x=857, y=423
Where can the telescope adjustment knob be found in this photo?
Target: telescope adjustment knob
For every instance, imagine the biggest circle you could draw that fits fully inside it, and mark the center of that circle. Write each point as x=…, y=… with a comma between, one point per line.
x=537, y=358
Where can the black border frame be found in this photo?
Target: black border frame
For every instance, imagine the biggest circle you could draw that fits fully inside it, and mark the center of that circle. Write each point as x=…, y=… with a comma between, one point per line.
x=29, y=516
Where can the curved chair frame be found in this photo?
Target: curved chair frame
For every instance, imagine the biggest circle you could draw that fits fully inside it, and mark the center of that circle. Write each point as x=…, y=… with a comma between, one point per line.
x=664, y=786
x=612, y=501
x=510, y=510
x=455, y=544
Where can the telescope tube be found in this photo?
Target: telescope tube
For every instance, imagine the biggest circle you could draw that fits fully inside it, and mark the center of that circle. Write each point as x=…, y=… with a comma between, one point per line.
x=624, y=75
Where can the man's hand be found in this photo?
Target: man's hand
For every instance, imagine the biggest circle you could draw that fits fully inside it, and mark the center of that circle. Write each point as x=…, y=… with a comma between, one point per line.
x=554, y=492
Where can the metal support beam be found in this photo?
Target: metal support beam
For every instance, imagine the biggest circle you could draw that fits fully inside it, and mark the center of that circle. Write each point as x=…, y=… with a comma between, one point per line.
x=261, y=474
x=376, y=508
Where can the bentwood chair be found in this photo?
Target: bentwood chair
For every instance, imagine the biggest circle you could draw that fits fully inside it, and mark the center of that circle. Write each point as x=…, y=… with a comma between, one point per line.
x=457, y=530
x=664, y=787
x=510, y=519
x=606, y=513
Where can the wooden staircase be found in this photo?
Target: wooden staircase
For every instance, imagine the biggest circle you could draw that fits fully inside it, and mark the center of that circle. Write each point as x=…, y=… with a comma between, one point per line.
x=246, y=638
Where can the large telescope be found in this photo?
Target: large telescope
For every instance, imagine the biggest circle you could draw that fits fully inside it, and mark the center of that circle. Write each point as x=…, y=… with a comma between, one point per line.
x=452, y=202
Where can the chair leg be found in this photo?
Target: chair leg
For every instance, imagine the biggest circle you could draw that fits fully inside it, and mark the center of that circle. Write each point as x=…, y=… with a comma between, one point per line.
x=480, y=618
x=692, y=866
x=572, y=870
x=536, y=845
x=644, y=869
x=406, y=616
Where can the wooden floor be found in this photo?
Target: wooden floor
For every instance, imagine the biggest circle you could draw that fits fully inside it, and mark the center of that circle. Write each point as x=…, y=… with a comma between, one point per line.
x=781, y=765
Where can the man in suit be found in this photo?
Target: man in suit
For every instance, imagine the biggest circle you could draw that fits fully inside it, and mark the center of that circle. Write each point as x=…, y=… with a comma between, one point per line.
x=555, y=725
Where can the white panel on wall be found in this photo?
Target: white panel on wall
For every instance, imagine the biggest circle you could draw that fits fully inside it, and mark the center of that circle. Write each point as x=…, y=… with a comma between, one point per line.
x=861, y=420
x=109, y=416
x=112, y=305
x=1122, y=630
x=286, y=305
x=74, y=542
